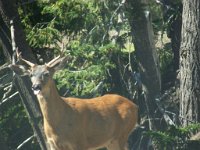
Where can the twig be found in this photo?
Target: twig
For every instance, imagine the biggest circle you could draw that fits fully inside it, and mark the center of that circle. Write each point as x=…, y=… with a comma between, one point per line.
x=3, y=77
x=97, y=88
x=12, y=31
x=24, y=142
x=10, y=97
x=162, y=110
x=8, y=89
x=111, y=19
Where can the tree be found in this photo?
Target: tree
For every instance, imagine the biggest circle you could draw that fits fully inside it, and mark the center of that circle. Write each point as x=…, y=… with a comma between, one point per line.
x=100, y=36
x=9, y=12
x=189, y=63
x=143, y=39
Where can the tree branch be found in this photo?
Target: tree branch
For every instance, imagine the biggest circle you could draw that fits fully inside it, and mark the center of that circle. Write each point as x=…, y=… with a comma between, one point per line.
x=24, y=142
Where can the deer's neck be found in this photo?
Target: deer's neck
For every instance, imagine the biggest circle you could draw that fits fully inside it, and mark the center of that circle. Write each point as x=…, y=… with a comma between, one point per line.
x=51, y=104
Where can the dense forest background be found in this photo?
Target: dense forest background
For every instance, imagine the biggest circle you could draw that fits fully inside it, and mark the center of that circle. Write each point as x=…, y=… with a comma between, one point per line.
x=145, y=50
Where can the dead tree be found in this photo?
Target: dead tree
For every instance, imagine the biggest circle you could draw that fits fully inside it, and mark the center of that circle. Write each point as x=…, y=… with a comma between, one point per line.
x=9, y=12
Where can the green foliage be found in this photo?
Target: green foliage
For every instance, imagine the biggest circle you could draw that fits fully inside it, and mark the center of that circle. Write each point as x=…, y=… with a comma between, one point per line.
x=86, y=21
x=43, y=36
x=174, y=138
x=72, y=14
x=97, y=37
x=14, y=126
x=72, y=18
x=40, y=28
x=87, y=28
x=157, y=18
x=166, y=58
x=92, y=64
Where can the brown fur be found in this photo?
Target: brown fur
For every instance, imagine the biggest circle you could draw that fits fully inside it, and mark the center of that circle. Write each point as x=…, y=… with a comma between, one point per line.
x=83, y=124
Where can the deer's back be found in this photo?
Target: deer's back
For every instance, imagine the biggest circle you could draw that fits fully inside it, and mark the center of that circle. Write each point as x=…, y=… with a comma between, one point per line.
x=105, y=106
x=106, y=111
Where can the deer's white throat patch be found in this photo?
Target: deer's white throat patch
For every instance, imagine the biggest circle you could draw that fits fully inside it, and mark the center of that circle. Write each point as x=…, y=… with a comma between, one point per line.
x=36, y=92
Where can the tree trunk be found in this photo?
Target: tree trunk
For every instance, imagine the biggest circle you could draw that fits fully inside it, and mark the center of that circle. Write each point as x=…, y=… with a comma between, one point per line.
x=143, y=39
x=9, y=12
x=190, y=63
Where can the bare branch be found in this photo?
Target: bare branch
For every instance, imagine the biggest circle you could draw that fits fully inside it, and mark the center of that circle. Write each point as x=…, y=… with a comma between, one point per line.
x=24, y=142
x=8, y=89
x=165, y=115
x=10, y=97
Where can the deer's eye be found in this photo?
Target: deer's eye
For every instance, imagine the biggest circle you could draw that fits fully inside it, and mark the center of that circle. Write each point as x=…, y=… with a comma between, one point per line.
x=46, y=74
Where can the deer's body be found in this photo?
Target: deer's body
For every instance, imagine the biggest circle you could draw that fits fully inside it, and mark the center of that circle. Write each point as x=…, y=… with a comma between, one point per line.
x=82, y=124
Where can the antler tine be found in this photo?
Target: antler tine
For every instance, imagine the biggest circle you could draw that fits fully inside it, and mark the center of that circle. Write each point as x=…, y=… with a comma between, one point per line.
x=19, y=56
x=51, y=63
x=53, y=60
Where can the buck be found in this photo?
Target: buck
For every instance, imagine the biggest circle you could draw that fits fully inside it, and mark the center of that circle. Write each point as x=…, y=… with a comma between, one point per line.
x=79, y=124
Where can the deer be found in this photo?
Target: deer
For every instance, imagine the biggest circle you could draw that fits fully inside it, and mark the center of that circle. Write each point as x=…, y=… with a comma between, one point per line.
x=78, y=124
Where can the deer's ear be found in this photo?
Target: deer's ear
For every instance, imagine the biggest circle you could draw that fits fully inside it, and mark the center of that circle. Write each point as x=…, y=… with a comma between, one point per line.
x=20, y=70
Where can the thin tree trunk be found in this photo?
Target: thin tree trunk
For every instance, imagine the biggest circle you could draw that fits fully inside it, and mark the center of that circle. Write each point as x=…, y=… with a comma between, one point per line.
x=9, y=12
x=190, y=63
x=143, y=39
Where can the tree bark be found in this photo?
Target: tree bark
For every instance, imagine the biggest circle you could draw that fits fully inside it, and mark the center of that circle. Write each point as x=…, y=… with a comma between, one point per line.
x=9, y=12
x=190, y=63
x=143, y=39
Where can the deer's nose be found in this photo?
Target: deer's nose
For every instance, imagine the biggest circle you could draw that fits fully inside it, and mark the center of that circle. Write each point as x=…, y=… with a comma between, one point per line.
x=36, y=87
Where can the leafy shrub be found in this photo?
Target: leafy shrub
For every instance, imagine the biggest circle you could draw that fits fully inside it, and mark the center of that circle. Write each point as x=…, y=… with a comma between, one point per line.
x=174, y=138
x=86, y=71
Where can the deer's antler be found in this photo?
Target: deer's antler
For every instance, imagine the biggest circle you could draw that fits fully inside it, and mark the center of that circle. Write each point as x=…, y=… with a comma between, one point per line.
x=19, y=57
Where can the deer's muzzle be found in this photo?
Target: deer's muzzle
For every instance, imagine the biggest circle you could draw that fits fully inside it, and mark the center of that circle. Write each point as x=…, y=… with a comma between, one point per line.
x=36, y=88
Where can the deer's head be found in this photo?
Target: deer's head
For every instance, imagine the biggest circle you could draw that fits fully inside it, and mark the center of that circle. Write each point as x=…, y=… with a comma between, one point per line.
x=40, y=74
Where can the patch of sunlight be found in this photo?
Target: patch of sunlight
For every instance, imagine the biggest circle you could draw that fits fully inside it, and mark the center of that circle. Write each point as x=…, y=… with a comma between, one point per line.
x=128, y=47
